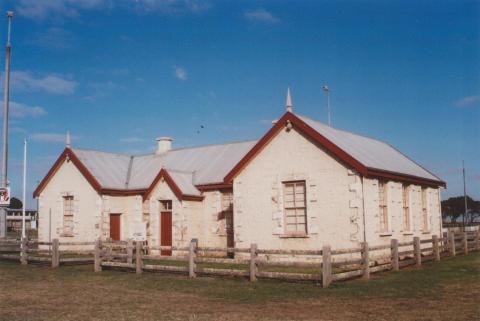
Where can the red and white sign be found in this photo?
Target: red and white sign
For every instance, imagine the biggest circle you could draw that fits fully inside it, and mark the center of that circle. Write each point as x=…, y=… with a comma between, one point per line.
x=4, y=196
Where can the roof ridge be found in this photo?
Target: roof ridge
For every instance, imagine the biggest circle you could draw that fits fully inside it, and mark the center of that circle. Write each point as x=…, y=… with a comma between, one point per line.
x=101, y=151
x=345, y=131
x=213, y=144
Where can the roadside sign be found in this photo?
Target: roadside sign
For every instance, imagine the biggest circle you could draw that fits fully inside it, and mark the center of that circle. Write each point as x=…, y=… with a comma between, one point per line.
x=139, y=231
x=4, y=196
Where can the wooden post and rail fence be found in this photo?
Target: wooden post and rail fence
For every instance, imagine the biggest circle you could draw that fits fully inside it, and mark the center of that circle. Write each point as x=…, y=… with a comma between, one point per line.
x=322, y=266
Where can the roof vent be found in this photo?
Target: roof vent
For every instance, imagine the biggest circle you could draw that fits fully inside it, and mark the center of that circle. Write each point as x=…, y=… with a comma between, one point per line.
x=164, y=144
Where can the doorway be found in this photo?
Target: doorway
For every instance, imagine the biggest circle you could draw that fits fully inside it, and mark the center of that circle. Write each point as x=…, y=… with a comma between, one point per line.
x=166, y=226
x=115, y=227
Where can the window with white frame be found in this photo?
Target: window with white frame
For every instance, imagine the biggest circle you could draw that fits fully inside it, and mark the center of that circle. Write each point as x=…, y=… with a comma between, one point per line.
x=382, y=205
x=424, y=209
x=406, y=207
x=295, y=208
x=68, y=210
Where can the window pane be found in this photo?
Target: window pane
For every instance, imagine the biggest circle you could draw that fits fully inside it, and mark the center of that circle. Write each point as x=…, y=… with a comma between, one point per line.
x=295, y=207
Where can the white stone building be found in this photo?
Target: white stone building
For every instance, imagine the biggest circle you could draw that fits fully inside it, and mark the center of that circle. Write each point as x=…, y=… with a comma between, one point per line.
x=300, y=186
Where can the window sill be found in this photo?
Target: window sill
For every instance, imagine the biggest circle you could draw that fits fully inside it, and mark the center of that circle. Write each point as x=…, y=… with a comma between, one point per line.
x=408, y=233
x=426, y=232
x=385, y=233
x=67, y=235
x=293, y=236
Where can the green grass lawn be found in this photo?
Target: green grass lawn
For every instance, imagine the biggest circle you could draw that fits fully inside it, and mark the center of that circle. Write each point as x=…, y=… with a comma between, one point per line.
x=449, y=290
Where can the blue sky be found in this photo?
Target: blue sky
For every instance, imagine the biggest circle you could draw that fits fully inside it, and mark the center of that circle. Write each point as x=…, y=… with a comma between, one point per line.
x=117, y=74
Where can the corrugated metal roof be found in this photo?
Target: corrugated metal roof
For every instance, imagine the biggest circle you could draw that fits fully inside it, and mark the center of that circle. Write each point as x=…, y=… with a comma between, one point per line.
x=370, y=152
x=211, y=163
x=188, y=166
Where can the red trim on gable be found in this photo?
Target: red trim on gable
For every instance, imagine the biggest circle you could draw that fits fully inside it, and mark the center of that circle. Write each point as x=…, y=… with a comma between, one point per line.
x=173, y=186
x=303, y=127
x=330, y=146
x=374, y=172
x=122, y=192
x=67, y=154
x=214, y=186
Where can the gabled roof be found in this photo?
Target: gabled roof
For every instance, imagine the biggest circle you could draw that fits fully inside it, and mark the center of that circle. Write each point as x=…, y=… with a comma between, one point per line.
x=187, y=170
x=135, y=174
x=370, y=157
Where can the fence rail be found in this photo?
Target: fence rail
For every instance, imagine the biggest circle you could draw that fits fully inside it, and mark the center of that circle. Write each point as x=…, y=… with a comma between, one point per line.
x=54, y=253
x=324, y=266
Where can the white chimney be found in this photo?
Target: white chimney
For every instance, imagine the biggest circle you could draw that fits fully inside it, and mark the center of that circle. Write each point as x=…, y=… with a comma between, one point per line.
x=164, y=144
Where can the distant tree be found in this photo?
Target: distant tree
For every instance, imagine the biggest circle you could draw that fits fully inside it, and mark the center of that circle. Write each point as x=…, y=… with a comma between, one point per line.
x=454, y=207
x=15, y=203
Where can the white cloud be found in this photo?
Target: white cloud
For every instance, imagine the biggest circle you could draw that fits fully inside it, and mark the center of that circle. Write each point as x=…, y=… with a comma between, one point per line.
x=261, y=15
x=54, y=38
x=101, y=89
x=55, y=9
x=19, y=110
x=42, y=9
x=172, y=6
x=50, y=83
x=131, y=140
x=468, y=101
x=180, y=73
x=50, y=137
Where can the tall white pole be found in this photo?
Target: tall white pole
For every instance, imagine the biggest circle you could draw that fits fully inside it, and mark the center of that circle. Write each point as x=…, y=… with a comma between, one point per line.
x=6, y=97
x=24, y=201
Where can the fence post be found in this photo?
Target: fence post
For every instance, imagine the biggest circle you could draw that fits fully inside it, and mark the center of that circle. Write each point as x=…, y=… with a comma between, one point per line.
x=192, y=255
x=253, y=262
x=55, y=254
x=138, y=257
x=129, y=251
x=436, y=250
x=97, y=264
x=417, y=251
x=23, y=251
x=477, y=240
x=394, y=251
x=451, y=242
x=326, y=266
x=365, y=261
x=465, y=243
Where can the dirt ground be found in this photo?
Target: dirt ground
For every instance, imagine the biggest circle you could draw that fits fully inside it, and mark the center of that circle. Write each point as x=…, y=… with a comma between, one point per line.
x=449, y=290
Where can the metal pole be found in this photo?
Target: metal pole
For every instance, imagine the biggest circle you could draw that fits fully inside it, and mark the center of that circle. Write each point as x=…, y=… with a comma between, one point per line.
x=6, y=94
x=329, y=111
x=464, y=195
x=24, y=186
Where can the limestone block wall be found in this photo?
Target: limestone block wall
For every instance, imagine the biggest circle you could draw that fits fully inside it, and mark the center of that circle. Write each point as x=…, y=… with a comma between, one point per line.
x=87, y=207
x=333, y=195
x=395, y=213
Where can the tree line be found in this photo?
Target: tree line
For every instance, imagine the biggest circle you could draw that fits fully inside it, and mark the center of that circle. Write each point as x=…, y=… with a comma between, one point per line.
x=454, y=208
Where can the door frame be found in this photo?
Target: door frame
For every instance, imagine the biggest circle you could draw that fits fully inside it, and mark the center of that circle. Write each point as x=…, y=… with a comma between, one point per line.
x=119, y=215
x=170, y=227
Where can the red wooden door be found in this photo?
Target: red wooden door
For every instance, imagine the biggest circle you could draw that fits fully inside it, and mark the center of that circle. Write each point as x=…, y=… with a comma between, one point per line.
x=115, y=227
x=166, y=231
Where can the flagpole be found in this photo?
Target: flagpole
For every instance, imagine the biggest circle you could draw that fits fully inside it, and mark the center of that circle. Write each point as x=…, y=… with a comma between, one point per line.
x=24, y=201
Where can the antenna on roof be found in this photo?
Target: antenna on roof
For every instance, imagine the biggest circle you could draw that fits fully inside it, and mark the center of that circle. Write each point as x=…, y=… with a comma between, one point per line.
x=327, y=91
x=288, y=104
x=68, y=140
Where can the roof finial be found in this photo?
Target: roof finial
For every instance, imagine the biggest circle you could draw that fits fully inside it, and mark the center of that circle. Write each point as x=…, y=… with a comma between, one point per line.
x=68, y=140
x=289, y=101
